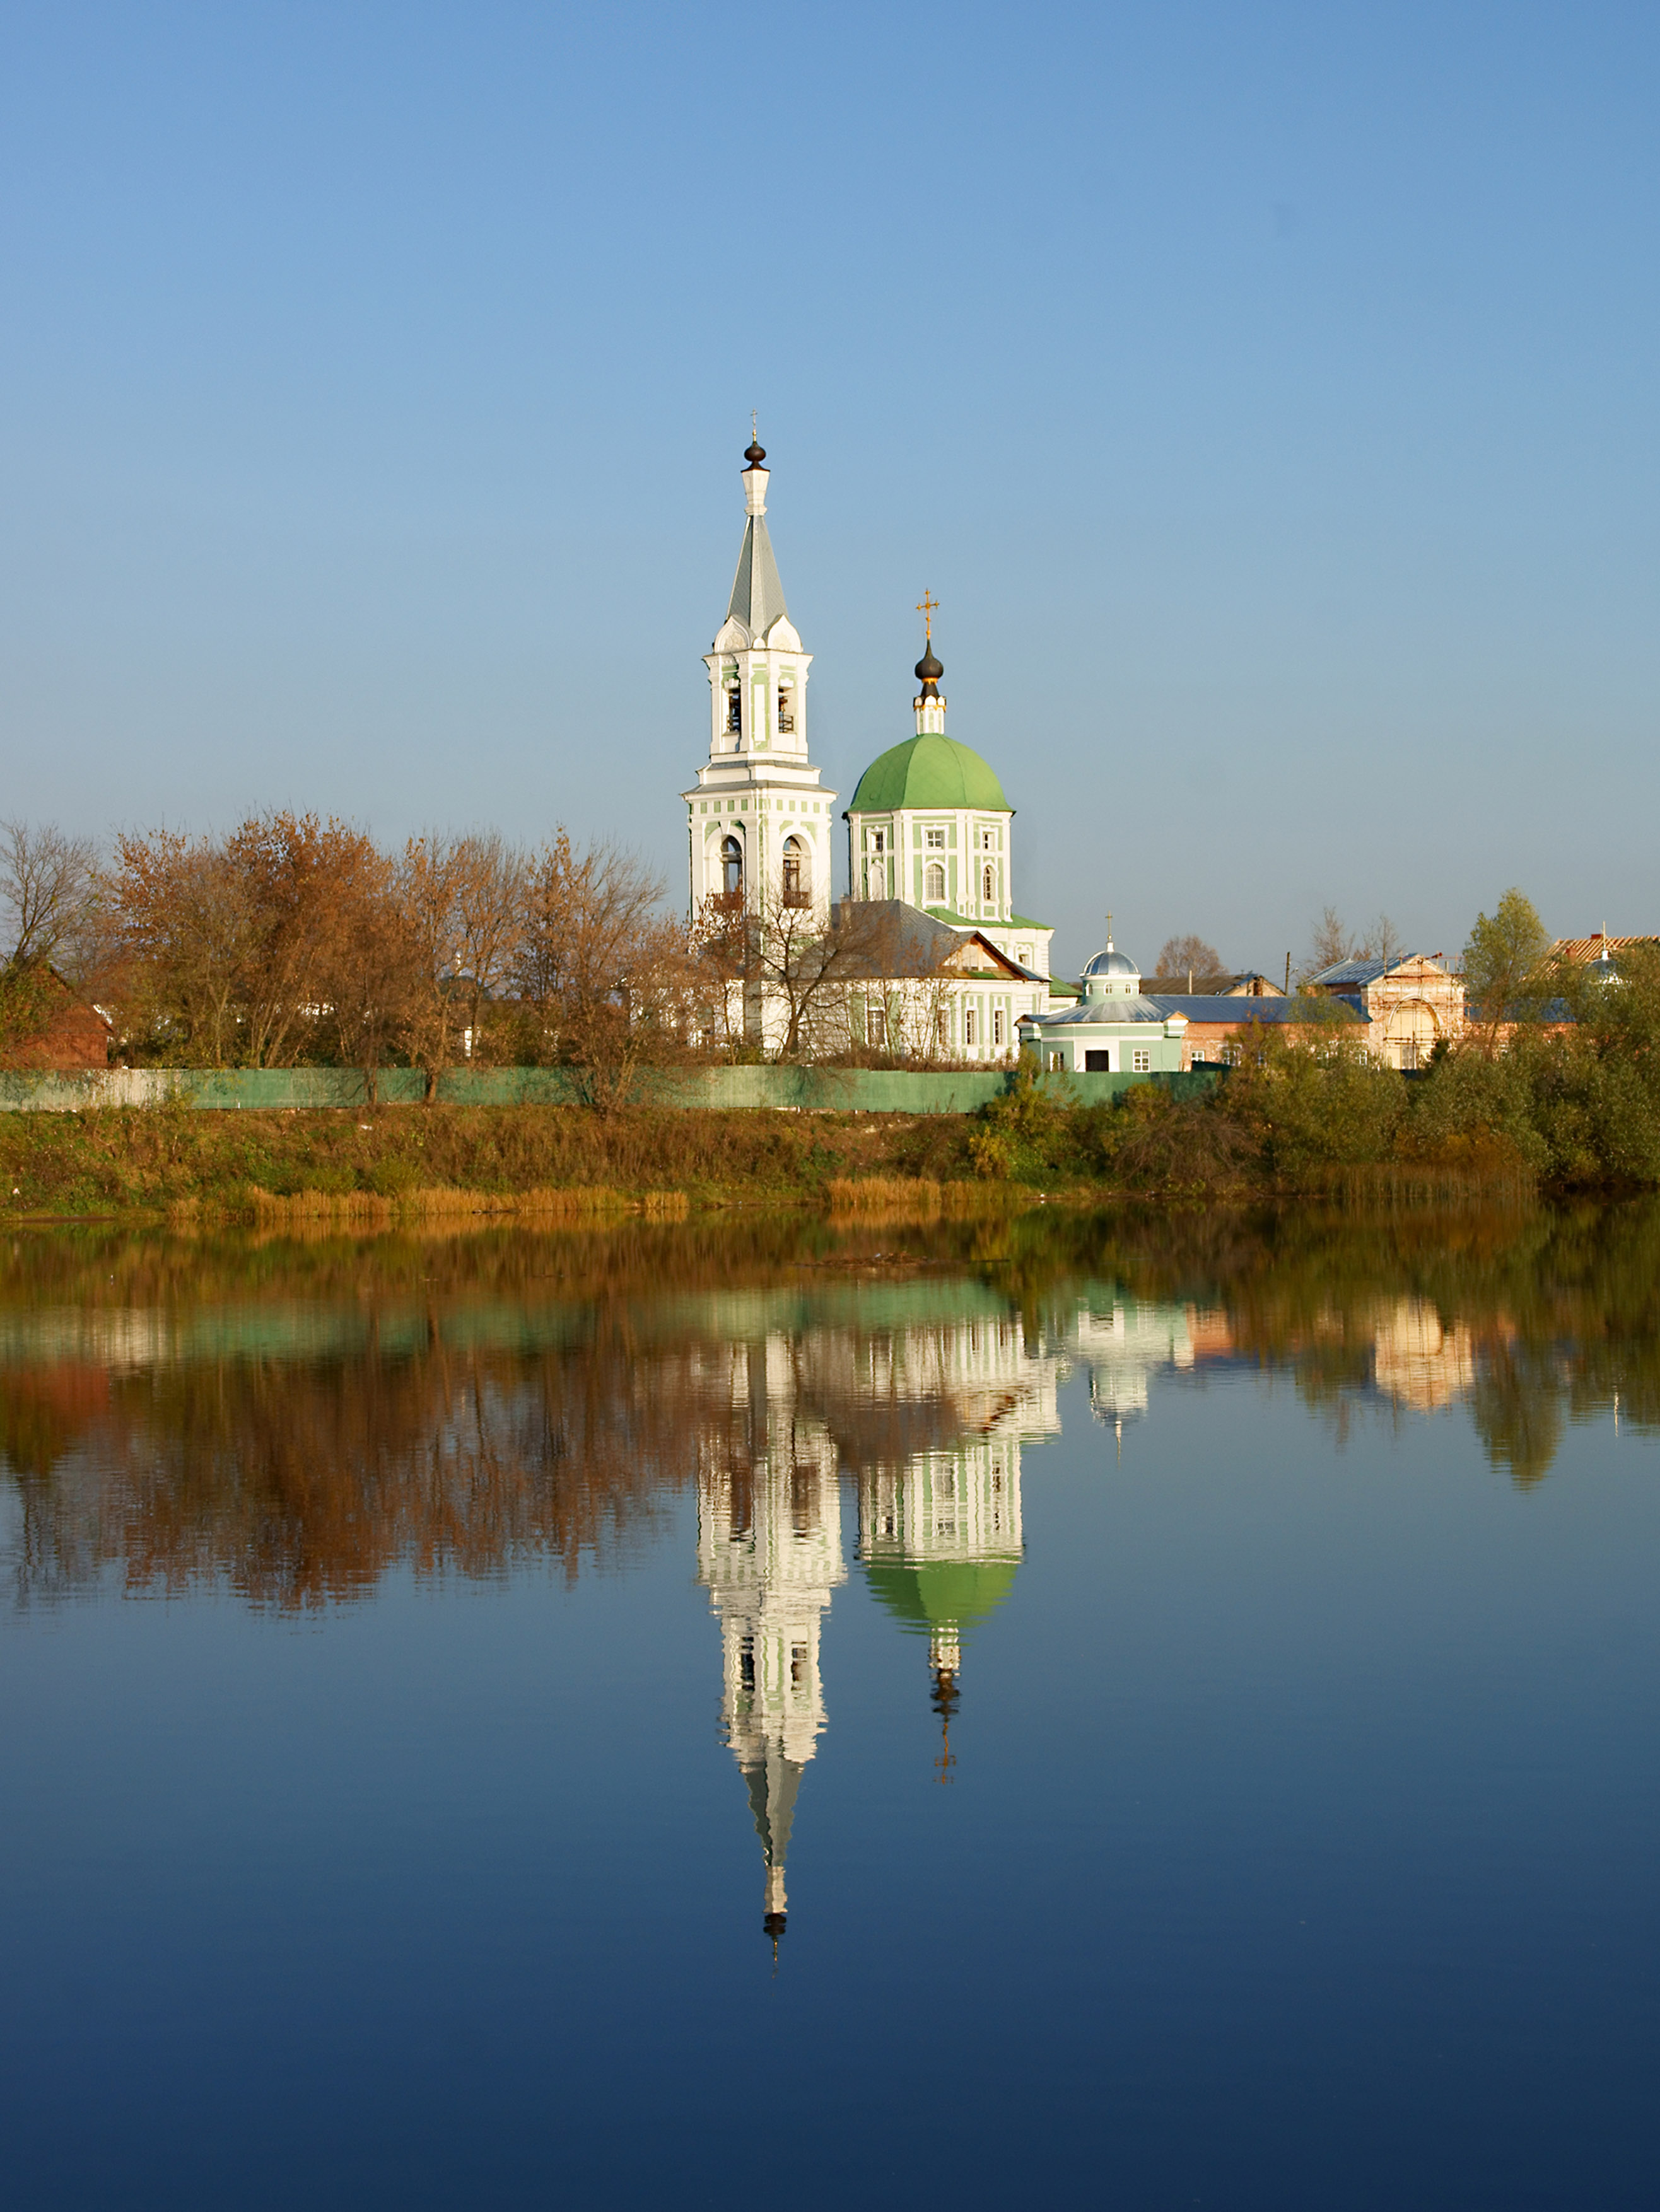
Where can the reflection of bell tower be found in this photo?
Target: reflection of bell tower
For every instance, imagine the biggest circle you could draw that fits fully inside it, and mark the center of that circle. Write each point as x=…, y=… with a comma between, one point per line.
x=770, y=1554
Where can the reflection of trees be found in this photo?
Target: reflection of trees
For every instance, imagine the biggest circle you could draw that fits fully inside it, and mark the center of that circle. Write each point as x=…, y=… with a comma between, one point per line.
x=295, y=1483
x=1546, y=1315
x=488, y=1399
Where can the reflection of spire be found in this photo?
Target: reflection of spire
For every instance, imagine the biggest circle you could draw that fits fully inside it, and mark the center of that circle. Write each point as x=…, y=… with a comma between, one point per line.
x=945, y=1658
x=770, y=1553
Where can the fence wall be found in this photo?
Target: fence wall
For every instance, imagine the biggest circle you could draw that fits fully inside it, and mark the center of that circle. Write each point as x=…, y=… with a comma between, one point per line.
x=797, y=1090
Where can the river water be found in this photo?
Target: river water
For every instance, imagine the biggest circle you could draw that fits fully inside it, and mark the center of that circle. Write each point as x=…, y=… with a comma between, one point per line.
x=1143, y=1711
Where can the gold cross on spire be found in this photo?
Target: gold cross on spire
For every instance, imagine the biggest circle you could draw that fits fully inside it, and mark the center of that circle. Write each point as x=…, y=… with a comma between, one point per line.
x=927, y=606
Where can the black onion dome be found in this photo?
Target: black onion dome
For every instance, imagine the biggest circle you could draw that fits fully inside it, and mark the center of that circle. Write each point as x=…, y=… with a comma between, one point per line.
x=929, y=668
x=755, y=454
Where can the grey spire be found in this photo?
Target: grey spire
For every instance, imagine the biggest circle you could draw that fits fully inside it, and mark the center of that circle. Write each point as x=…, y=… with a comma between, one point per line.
x=757, y=597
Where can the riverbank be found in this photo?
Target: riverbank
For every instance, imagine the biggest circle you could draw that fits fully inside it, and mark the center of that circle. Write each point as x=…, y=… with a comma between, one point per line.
x=555, y=1161
x=550, y=1160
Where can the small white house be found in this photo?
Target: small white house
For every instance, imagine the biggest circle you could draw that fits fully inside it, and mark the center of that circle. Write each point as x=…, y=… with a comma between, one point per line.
x=1112, y=1030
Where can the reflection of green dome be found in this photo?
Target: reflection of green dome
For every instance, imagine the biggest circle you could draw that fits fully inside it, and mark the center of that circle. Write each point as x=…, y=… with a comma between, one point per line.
x=932, y=771
x=945, y=1593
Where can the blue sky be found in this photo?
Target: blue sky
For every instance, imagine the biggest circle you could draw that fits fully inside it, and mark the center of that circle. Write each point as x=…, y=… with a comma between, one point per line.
x=1267, y=392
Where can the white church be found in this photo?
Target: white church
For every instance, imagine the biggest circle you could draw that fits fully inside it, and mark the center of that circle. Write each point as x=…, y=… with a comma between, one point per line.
x=930, y=834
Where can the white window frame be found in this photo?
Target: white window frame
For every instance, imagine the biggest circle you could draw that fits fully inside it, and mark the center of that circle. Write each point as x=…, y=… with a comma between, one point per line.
x=1140, y=1060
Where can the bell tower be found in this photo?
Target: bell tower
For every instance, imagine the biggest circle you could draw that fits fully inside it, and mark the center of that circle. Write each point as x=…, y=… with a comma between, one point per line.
x=758, y=819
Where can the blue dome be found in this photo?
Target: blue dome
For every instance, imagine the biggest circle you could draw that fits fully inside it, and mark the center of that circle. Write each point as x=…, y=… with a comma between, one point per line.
x=1111, y=963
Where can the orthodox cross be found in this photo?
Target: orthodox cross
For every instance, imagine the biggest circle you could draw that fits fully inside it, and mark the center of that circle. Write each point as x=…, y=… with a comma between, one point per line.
x=755, y=426
x=927, y=606
x=1110, y=925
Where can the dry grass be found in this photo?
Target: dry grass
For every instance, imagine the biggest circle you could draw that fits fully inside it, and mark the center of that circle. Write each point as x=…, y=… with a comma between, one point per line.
x=439, y=1207
x=167, y=1159
x=916, y=1198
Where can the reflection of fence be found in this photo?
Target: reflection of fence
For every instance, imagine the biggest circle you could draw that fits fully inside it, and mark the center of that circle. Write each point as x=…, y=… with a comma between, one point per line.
x=798, y=1089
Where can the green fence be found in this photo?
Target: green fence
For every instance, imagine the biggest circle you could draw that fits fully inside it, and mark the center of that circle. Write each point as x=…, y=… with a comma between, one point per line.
x=787, y=1090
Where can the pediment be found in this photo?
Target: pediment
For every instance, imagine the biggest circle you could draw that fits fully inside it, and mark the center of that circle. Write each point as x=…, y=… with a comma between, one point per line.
x=731, y=637
x=978, y=956
x=783, y=636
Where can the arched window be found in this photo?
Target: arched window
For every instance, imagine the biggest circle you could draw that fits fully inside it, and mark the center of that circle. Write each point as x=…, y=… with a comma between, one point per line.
x=988, y=892
x=798, y=873
x=734, y=708
x=732, y=868
x=933, y=892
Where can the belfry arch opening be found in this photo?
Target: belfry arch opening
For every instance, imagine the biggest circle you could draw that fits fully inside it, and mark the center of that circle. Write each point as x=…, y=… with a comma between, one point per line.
x=798, y=873
x=732, y=868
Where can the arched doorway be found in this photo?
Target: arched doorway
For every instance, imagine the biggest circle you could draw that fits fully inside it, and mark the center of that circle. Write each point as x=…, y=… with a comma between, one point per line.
x=1410, y=1031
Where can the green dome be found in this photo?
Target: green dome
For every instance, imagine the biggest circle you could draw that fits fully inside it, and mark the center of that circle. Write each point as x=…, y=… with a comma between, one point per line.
x=951, y=1592
x=929, y=772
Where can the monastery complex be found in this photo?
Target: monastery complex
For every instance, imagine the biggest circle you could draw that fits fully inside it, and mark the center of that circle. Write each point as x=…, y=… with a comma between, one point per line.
x=941, y=964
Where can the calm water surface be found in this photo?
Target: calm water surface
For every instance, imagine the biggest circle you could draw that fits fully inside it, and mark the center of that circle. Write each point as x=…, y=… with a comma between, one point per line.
x=1141, y=1713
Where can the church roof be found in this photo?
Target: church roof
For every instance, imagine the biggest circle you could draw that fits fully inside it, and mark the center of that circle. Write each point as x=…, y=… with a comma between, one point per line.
x=757, y=597
x=1112, y=963
x=940, y=1593
x=929, y=771
x=1221, y=1008
x=1114, y=1012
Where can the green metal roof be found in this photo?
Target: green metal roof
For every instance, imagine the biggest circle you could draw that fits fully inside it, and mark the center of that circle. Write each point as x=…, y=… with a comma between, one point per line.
x=931, y=771
x=954, y=920
x=943, y=1592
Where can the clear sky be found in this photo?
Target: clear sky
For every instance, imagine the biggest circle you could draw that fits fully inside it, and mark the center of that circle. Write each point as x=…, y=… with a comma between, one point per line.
x=1267, y=391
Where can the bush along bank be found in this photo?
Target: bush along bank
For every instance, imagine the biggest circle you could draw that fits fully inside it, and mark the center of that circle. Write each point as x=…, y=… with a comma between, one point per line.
x=1558, y=1108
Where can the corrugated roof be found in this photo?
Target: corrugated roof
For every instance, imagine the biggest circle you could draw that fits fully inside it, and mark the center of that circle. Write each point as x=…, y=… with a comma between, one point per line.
x=1223, y=984
x=1352, y=973
x=1116, y=1012
x=1593, y=948
x=1355, y=975
x=905, y=940
x=1215, y=1006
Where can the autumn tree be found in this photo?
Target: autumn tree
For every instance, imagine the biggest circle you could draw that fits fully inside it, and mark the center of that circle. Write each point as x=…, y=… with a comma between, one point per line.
x=371, y=973
x=234, y=943
x=1191, y=956
x=304, y=880
x=601, y=972
x=1329, y=945
x=50, y=902
x=465, y=898
x=184, y=922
